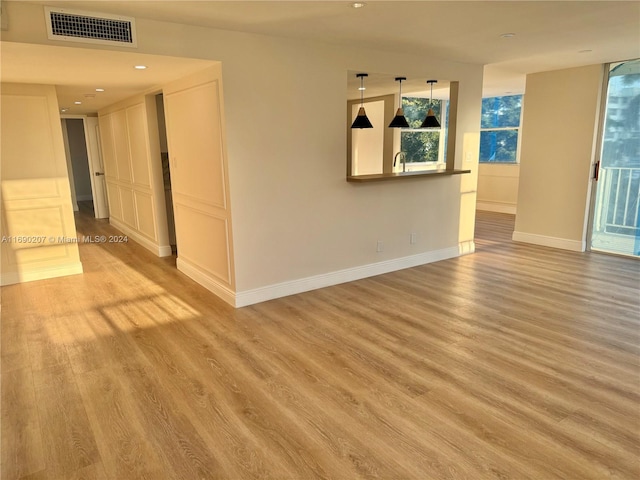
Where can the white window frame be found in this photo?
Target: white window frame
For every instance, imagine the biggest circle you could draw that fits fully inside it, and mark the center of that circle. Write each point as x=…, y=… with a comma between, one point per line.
x=498, y=129
x=441, y=140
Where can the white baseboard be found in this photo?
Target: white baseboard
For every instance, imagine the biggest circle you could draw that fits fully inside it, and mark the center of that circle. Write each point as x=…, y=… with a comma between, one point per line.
x=293, y=287
x=555, y=242
x=10, y=278
x=270, y=292
x=496, y=207
x=207, y=281
x=466, y=248
x=159, y=250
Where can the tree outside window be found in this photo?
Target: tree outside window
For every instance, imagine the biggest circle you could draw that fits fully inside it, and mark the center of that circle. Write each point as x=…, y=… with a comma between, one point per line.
x=499, y=129
x=421, y=145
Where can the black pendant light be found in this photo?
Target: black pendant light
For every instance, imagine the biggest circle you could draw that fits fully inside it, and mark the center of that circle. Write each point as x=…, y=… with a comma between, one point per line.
x=431, y=121
x=361, y=120
x=399, y=121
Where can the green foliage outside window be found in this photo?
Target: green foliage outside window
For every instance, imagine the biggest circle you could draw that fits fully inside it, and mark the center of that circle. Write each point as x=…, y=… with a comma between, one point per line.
x=500, y=123
x=498, y=112
x=499, y=146
x=421, y=145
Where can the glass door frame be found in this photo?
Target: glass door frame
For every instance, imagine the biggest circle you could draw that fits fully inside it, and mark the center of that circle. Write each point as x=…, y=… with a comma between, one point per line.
x=595, y=166
x=597, y=159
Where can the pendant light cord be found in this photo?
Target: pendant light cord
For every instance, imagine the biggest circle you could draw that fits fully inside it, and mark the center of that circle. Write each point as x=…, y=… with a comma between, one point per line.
x=431, y=99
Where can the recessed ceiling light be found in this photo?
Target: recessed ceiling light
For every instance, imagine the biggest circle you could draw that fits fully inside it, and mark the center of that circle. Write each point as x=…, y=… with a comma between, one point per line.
x=78, y=103
x=64, y=109
x=362, y=88
x=99, y=89
x=358, y=5
x=507, y=35
x=140, y=67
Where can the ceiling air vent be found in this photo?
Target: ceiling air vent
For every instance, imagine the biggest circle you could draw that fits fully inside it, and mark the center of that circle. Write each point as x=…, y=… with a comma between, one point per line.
x=90, y=27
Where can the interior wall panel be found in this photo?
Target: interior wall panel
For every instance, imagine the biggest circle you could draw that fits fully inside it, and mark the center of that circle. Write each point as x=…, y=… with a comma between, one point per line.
x=137, y=127
x=121, y=145
x=129, y=215
x=115, y=205
x=145, y=214
x=210, y=236
x=198, y=158
x=37, y=188
x=129, y=145
x=37, y=223
x=44, y=226
x=195, y=133
x=27, y=113
x=108, y=148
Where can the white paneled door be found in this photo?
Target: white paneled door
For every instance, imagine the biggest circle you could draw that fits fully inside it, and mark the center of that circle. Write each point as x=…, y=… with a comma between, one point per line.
x=96, y=167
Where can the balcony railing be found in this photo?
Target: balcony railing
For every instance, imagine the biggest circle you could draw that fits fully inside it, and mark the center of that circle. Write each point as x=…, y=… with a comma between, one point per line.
x=620, y=207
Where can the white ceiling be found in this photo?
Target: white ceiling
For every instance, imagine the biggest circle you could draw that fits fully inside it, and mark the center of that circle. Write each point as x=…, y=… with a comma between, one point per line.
x=77, y=72
x=548, y=34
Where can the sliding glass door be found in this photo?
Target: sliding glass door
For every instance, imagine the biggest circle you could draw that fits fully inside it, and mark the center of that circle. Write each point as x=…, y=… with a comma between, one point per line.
x=616, y=214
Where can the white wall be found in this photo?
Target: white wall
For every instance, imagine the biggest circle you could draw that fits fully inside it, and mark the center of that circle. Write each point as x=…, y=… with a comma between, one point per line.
x=498, y=187
x=558, y=147
x=37, y=227
x=296, y=221
x=133, y=172
x=367, y=143
x=294, y=215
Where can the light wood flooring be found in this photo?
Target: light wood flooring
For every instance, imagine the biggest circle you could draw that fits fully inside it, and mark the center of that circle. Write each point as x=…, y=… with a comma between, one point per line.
x=517, y=362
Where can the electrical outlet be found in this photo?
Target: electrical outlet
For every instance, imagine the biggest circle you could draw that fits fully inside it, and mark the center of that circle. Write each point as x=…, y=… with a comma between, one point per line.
x=380, y=246
x=413, y=238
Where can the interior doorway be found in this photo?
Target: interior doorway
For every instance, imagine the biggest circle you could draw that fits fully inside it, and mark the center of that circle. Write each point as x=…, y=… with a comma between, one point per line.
x=615, y=217
x=166, y=171
x=84, y=164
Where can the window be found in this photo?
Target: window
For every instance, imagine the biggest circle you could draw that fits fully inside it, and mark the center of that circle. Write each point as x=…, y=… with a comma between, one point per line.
x=423, y=144
x=499, y=129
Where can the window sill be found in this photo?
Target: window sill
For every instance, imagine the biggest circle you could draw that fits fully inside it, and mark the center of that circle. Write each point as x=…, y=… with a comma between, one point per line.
x=379, y=177
x=498, y=163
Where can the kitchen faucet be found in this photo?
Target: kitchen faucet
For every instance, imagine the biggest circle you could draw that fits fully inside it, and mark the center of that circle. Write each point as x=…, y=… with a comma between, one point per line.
x=403, y=159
